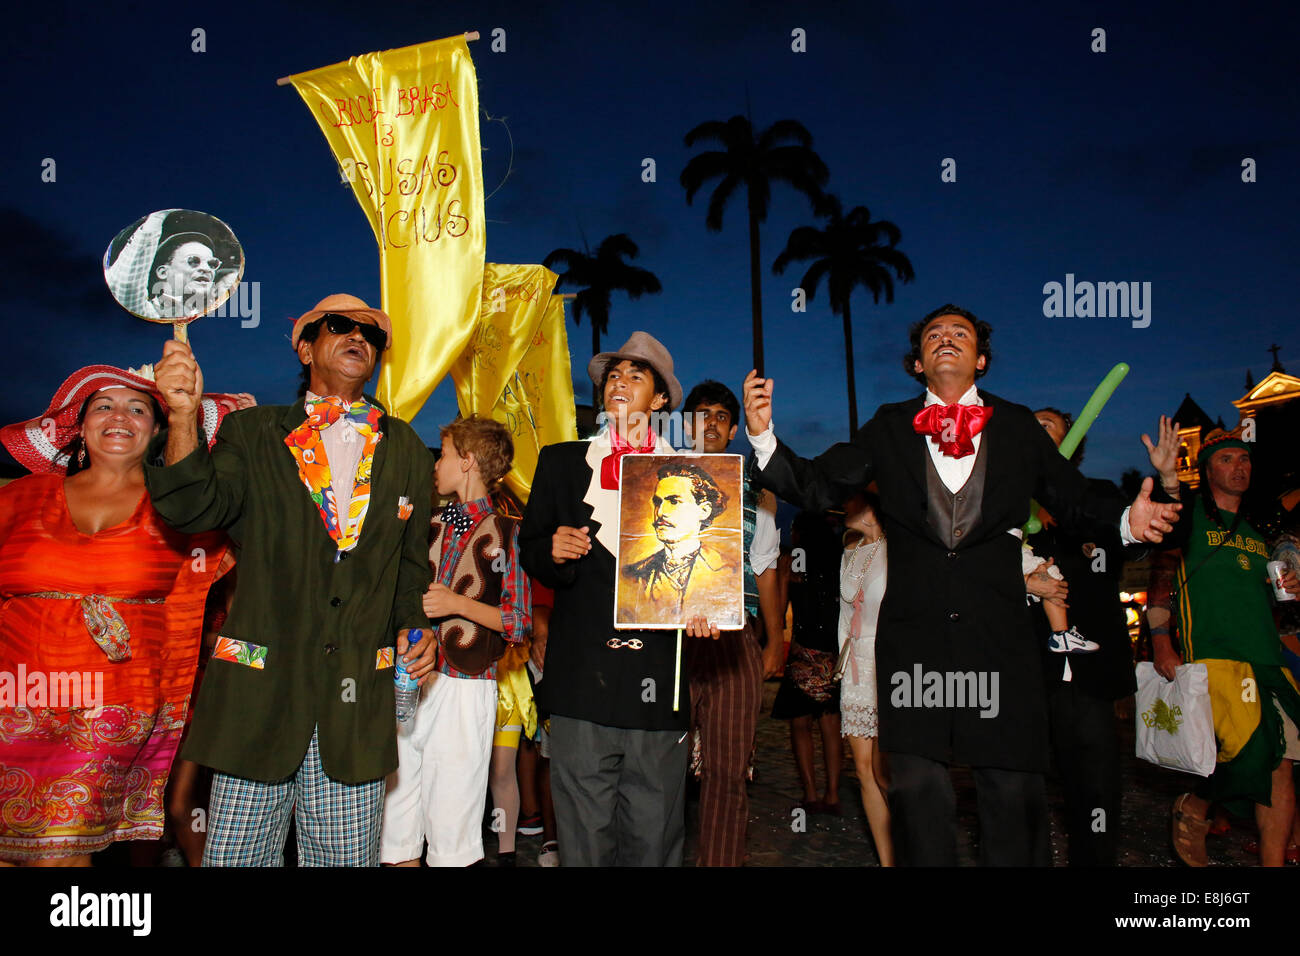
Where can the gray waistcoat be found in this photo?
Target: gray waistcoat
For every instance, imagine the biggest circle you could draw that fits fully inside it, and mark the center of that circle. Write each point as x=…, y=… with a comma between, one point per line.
x=954, y=515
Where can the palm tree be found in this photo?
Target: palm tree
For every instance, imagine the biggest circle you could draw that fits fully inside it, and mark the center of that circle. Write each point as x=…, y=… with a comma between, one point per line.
x=596, y=277
x=850, y=251
x=782, y=152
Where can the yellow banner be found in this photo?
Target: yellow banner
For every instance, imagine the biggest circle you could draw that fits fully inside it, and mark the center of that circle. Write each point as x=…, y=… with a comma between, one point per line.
x=403, y=125
x=516, y=369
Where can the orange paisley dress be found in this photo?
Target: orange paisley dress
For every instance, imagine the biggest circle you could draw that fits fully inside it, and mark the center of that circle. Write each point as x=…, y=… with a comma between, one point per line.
x=99, y=643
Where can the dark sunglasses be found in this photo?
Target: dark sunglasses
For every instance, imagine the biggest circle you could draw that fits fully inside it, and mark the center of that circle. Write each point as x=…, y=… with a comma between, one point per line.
x=342, y=325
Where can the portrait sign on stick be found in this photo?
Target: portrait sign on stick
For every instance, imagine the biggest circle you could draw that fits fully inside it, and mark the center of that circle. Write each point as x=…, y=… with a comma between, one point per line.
x=173, y=266
x=681, y=545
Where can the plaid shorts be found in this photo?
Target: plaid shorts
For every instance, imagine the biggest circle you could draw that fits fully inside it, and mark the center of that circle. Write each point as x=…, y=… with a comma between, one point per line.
x=338, y=823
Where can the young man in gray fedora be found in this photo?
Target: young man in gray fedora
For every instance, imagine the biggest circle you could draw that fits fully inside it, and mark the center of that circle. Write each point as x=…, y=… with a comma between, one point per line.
x=619, y=746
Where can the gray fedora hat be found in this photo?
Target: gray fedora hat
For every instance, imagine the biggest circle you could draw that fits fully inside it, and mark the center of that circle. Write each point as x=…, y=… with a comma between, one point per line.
x=641, y=347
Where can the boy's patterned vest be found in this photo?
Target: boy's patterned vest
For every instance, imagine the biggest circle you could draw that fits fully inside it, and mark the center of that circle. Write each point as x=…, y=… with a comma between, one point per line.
x=469, y=647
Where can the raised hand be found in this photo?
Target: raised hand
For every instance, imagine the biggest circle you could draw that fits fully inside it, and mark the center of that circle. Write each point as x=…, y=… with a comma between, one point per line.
x=1148, y=520
x=1164, y=453
x=179, y=380
x=758, y=403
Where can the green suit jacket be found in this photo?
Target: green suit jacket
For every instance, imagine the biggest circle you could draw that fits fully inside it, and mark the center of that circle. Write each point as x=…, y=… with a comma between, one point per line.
x=323, y=622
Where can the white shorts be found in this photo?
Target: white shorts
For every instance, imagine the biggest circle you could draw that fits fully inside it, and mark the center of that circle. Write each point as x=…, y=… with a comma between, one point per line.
x=439, y=790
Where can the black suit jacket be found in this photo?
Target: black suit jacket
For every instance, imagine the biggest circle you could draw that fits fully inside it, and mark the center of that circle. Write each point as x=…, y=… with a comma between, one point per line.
x=584, y=677
x=954, y=612
x=1095, y=608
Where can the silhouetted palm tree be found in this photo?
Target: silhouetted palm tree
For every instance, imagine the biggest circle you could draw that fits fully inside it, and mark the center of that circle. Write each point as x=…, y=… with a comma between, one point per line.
x=596, y=277
x=782, y=153
x=850, y=251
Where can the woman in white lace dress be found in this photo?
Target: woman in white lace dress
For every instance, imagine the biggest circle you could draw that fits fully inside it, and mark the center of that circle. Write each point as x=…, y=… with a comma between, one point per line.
x=862, y=588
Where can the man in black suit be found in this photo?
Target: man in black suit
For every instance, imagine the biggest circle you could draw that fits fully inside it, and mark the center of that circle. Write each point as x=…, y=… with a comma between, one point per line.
x=618, y=700
x=958, y=663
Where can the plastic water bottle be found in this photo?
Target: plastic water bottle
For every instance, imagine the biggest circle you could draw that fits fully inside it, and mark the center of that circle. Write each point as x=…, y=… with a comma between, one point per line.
x=406, y=687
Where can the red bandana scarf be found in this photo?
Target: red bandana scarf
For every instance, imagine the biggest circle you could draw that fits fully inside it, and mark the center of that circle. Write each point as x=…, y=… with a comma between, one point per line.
x=953, y=425
x=611, y=464
x=308, y=449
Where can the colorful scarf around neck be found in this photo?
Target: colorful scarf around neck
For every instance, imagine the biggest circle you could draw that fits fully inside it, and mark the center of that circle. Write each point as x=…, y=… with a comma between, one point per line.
x=308, y=449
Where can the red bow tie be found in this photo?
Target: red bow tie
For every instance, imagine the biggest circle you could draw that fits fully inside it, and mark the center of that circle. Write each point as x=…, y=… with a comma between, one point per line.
x=953, y=425
x=612, y=463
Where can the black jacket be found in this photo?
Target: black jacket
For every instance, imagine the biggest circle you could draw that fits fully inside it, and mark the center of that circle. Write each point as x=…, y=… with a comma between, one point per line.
x=1095, y=607
x=584, y=677
x=961, y=611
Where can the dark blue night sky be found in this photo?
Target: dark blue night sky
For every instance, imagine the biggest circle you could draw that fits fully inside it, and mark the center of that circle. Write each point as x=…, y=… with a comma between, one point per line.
x=1115, y=166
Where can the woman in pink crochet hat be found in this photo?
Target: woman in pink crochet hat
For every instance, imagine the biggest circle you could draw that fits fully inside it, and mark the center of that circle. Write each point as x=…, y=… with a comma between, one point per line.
x=101, y=605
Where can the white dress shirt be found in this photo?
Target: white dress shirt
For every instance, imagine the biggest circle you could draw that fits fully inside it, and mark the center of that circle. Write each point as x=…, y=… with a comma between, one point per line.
x=954, y=472
x=343, y=447
x=765, y=549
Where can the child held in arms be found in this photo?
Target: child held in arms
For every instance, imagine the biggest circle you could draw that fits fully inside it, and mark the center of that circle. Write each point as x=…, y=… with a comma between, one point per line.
x=1052, y=590
x=479, y=600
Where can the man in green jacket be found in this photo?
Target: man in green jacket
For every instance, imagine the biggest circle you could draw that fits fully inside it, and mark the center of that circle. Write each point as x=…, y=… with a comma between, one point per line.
x=327, y=501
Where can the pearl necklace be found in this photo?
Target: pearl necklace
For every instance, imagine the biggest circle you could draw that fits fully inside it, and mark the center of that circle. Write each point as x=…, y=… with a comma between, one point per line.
x=857, y=579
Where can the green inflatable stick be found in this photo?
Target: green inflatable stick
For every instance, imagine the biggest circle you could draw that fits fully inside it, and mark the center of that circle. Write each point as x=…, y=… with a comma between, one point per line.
x=1080, y=428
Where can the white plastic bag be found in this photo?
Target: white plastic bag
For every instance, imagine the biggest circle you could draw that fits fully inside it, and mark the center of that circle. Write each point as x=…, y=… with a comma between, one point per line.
x=1175, y=725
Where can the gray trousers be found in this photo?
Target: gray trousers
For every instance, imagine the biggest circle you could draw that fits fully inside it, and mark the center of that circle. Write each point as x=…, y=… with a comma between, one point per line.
x=620, y=795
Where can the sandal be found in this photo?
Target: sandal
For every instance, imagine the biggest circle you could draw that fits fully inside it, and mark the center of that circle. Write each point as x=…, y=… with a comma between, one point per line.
x=1189, y=834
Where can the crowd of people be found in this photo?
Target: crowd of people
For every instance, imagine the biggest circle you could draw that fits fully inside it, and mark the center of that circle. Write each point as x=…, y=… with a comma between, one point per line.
x=303, y=552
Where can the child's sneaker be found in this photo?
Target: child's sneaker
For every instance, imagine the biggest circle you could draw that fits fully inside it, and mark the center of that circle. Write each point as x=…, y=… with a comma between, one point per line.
x=550, y=855
x=1071, y=642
